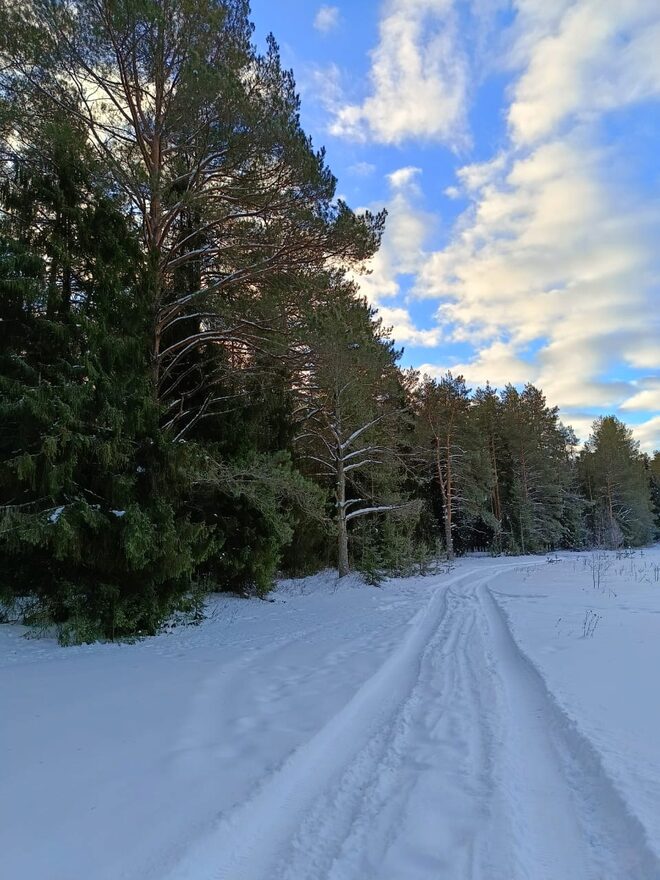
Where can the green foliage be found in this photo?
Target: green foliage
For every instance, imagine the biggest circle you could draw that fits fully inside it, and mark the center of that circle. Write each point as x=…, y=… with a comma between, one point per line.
x=253, y=506
x=396, y=545
x=617, y=487
x=193, y=395
x=90, y=522
x=653, y=468
x=503, y=463
x=451, y=454
x=353, y=411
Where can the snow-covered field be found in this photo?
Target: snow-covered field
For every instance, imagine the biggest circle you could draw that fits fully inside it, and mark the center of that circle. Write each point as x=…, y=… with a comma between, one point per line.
x=495, y=722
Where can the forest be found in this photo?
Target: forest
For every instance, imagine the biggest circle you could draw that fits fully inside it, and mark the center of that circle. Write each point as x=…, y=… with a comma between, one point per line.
x=194, y=395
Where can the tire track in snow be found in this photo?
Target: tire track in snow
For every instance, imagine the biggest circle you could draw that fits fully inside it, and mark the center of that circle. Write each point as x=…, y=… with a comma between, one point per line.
x=419, y=801
x=249, y=841
x=361, y=816
x=568, y=818
x=453, y=760
x=288, y=678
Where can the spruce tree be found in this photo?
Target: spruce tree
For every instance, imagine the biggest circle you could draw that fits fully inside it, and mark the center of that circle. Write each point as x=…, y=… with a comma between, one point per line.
x=90, y=526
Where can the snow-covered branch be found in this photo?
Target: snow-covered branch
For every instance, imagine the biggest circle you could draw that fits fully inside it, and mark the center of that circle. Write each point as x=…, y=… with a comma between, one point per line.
x=365, y=510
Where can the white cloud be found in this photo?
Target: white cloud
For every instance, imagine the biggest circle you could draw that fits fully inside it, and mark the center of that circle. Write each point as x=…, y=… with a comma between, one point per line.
x=644, y=350
x=380, y=281
x=497, y=364
x=403, y=177
x=646, y=397
x=404, y=330
x=581, y=60
x=418, y=77
x=544, y=247
x=362, y=169
x=326, y=19
x=550, y=251
x=407, y=229
x=552, y=272
x=648, y=434
x=473, y=177
x=402, y=251
x=326, y=86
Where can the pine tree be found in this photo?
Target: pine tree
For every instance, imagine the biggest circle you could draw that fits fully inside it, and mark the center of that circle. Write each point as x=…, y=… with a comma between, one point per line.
x=537, y=471
x=653, y=466
x=169, y=288
x=200, y=134
x=350, y=402
x=486, y=418
x=616, y=486
x=448, y=447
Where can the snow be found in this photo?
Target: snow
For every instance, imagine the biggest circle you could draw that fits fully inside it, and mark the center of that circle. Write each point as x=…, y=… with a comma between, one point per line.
x=499, y=721
x=56, y=514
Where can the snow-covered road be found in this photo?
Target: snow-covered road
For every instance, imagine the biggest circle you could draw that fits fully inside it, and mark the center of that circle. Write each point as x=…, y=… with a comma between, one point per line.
x=353, y=733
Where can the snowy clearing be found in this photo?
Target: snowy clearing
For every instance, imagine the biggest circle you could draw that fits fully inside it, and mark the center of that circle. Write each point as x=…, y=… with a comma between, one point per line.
x=498, y=721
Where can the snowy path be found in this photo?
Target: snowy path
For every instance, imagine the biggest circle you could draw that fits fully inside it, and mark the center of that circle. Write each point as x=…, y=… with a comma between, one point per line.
x=451, y=761
x=405, y=736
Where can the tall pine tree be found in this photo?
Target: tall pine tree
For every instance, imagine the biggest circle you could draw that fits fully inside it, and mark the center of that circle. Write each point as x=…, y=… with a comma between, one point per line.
x=616, y=485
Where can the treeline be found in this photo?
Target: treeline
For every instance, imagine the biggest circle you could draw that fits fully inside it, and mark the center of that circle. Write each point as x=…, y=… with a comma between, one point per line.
x=193, y=395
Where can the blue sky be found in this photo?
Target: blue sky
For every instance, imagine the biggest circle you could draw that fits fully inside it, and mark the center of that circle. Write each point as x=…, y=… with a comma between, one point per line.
x=516, y=145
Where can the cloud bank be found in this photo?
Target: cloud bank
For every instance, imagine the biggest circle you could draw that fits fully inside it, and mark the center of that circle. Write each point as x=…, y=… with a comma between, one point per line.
x=551, y=271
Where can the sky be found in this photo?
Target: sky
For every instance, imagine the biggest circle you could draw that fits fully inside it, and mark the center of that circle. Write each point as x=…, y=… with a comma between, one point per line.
x=516, y=146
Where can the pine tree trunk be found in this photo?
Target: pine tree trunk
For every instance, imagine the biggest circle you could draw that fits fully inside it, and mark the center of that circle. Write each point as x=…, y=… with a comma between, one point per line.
x=497, y=508
x=610, y=514
x=342, y=548
x=342, y=529
x=446, y=505
x=523, y=463
x=154, y=230
x=449, y=541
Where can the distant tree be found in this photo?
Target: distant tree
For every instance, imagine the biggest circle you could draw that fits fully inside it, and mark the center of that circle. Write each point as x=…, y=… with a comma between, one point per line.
x=538, y=472
x=616, y=485
x=653, y=464
x=446, y=442
x=486, y=417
